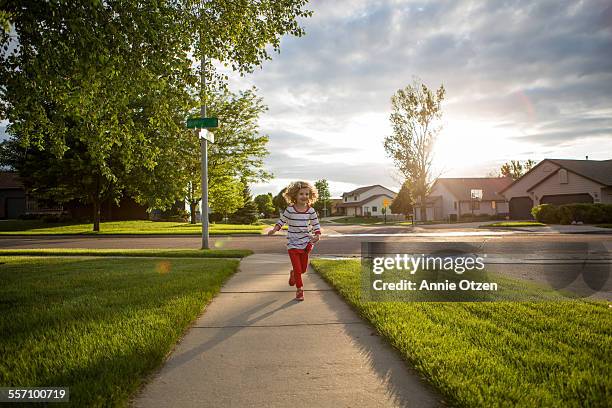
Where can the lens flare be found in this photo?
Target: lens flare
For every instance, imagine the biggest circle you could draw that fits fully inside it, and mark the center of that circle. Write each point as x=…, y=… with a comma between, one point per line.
x=163, y=267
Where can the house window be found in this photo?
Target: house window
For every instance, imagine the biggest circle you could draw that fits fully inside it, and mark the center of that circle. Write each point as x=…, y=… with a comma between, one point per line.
x=345, y=199
x=374, y=209
x=475, y=205
x=355, y=198
x=563, y=176
x=455, y=205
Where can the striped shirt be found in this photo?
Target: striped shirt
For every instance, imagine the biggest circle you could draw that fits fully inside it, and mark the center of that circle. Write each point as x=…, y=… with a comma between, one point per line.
x=299, y=233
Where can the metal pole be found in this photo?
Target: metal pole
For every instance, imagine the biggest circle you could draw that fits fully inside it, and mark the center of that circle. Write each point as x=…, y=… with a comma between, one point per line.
x=204, y=151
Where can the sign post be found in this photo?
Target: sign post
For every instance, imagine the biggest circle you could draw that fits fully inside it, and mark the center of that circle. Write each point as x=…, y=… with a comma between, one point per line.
x=384, y=209
x=203, y=123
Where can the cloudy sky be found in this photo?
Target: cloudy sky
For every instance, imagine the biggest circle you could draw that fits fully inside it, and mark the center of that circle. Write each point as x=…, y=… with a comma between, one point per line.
x=524, y=80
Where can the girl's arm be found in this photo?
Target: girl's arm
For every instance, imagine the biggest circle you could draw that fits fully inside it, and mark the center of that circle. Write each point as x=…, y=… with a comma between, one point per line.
x=316, y=227
x=282, y=221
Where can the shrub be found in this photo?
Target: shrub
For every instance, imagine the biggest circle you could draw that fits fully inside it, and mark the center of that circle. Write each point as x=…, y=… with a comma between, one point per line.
x=546, y=213
x=586, y=213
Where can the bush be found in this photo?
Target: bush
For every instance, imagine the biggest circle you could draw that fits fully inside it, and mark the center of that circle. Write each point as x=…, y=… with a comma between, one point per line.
x=546, y=213
x=568, y=213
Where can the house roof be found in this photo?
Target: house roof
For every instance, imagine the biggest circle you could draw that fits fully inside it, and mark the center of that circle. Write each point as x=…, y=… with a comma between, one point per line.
x=490, y=186
x=596, y=170
x=362, y=202
x=10, y=180
x=599, y=171
x=366, y=188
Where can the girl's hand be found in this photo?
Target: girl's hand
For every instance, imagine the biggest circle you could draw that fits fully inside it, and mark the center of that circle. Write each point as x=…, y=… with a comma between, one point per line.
x=272, y=231
x=315, y=239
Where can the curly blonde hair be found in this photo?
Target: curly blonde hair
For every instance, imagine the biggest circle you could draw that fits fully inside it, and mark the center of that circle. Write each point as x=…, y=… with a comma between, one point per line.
x=291, y=192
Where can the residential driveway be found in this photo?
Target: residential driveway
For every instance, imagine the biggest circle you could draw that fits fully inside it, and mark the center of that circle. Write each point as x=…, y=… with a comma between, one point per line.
x=256, y=346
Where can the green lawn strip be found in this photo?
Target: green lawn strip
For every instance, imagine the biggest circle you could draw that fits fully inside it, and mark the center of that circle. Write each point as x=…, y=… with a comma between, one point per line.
x=164, y=253
x=553, y=353
x=515, y=224
x=98, y=326
x=604, y=225
x=359, y=220
x=34, y=227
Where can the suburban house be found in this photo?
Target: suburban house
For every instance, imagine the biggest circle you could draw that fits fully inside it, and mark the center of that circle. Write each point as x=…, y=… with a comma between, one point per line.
x=450, y=198
x=365, y=201
x=334, y=204
x=15, y=202
x=560, y=181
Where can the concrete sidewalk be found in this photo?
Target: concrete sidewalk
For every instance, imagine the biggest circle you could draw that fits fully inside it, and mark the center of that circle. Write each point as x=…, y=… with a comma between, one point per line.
x=256, y=346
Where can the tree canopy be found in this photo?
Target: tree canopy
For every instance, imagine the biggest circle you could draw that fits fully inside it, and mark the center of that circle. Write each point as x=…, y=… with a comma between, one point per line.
x=416, y=122
x=108, y=85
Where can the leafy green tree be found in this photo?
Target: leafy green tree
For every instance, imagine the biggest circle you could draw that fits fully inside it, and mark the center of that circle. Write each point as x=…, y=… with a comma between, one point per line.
x=110, y=82
x=247, y=214
x=279, y=202
x=226, y=196
x=239, y=148
x=416, y=122
x=264, y=205
x=323, y=204
x=515, y=168
x=402, y=203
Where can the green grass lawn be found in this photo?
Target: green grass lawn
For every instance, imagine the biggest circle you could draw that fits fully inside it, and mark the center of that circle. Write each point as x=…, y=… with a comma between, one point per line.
x=604, y=225
x=163, y=253
x=98, y=326
x=528, y=354
x=362, y=220
x=35, y=227
x=515, y=224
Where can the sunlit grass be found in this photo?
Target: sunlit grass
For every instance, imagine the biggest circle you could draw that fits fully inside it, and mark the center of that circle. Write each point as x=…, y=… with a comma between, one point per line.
x=97, y=326
x=546, y=354
x=142, y=227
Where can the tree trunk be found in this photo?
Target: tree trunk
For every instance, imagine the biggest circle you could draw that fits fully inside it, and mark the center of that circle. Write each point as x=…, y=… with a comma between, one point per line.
x=423, y=208
x=96, y=205
x=192, y=207
x=96, y=214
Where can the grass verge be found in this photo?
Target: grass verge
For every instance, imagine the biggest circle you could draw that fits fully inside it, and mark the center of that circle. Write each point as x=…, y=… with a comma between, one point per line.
x=35, y=227
x=494, y=354
x=163, y=253
x=515, y=224
x=98, y=326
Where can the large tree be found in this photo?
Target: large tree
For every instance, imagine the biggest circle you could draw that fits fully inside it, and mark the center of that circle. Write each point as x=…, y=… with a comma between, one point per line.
x=264, y=205
x=515, y=168
x=402, y=203
x=323, y=204
x=239, y=148
x=110, y=82
x=416, y=122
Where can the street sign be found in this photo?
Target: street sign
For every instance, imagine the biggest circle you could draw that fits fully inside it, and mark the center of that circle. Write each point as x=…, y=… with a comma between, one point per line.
x=202, y=123
x=208, y=135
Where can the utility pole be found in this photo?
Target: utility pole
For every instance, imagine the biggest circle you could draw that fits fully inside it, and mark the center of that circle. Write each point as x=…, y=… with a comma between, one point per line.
x=204, y=151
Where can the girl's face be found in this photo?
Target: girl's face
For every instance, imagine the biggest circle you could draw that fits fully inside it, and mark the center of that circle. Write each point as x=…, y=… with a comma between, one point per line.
x=303, y=195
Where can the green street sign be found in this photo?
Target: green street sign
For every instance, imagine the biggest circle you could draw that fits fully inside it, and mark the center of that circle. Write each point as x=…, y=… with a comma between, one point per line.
x=202, y=123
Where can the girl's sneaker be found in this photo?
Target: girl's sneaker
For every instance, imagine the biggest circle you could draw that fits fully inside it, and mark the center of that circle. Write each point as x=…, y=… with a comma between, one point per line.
x=299, y=295
x=291, y=278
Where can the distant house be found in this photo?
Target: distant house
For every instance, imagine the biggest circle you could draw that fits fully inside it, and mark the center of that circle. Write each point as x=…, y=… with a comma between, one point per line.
x=364, y=201
x=560, y=181
x=450, y=198
x=12, y=195
x=334, y=205
x=15, y=202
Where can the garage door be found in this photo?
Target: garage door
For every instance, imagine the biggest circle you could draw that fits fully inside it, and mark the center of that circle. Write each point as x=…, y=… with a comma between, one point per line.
x=566, y=199
x=520, y=208
x=15, y=207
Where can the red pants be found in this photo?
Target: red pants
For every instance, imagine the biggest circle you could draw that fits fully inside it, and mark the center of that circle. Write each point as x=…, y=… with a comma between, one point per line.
x=299, y=261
